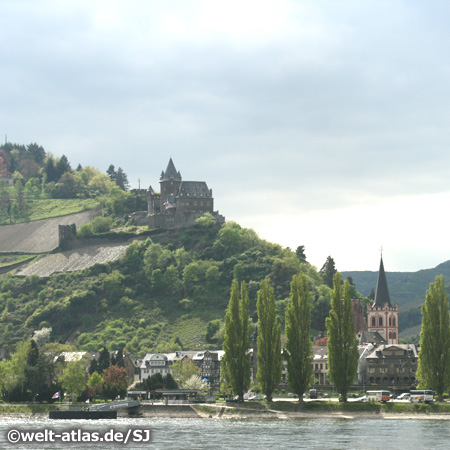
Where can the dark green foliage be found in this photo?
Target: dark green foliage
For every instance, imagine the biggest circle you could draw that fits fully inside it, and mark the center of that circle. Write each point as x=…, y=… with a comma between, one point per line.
x=434, y=357
x=104, y=360
x=299, y=345
x=269, y=341
x=300, y=252
x=235, y=364
x=342, y=341
x=327, y=271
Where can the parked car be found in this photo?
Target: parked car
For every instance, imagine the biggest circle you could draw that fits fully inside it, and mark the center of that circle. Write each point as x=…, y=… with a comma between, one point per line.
x=257, y=397
x=393, y=396
x=233, y=399
x=404, y=396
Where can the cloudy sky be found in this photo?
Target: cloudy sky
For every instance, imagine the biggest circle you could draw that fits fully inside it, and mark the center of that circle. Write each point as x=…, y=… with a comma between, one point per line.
x=317, y=123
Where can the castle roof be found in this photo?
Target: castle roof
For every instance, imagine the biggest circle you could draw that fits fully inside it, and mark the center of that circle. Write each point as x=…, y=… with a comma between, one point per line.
x=194, y=189
x=382, y=292
x=171, y=173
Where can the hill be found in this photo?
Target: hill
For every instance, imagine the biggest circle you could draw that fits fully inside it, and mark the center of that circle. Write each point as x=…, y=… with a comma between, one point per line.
x=162, y=293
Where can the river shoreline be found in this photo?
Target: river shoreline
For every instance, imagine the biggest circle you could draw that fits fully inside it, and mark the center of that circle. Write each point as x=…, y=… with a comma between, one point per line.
x=247, y=411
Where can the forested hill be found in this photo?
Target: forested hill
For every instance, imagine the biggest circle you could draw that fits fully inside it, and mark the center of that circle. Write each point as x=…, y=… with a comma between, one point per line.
x=168, y=292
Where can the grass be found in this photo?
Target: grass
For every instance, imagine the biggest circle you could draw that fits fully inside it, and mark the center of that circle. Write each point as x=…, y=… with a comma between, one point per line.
x=205, y=409
x=51, y=208
x=363, y=407
x=12, y=258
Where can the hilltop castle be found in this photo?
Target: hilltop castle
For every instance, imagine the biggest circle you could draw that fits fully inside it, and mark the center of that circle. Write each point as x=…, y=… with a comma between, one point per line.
x=179, y=203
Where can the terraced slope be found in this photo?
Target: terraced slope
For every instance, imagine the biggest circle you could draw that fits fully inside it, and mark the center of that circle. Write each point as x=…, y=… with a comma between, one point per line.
x=73, y=260
x=37, y=237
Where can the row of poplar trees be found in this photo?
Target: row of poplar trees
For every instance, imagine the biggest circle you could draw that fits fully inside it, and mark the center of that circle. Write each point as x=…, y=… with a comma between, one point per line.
x=342, y=341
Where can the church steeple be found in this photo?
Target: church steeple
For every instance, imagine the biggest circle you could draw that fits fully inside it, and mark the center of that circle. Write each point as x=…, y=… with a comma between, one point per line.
x=382, y=292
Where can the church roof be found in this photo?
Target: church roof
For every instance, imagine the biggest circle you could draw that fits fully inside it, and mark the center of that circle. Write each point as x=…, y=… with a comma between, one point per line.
x=372, y=337
x=382, y=291
x=171, y=173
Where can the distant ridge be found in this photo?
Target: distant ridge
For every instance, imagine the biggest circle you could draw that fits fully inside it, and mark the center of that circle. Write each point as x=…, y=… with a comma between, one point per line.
x=408, y=289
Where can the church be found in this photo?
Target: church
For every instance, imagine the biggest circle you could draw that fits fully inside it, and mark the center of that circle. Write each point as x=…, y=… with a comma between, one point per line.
x=381, y=325
x=179, y=203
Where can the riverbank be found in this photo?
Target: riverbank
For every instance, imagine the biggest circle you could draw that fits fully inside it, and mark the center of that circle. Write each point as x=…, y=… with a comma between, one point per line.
x=260, y=410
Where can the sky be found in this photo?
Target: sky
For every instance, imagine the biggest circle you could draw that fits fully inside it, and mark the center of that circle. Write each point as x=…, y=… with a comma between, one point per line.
x=316, y=123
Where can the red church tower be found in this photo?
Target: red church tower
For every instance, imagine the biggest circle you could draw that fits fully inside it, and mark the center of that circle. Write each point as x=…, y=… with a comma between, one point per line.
x=382, y=317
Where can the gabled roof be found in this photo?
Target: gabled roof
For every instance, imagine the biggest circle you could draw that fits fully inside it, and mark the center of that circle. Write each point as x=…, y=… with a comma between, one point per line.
x=382, y=292
x=194, y=189
x=171, y=173
x=372, y=337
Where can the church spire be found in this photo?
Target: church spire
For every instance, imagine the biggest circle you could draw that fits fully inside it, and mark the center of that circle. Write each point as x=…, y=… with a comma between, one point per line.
x=382, y=291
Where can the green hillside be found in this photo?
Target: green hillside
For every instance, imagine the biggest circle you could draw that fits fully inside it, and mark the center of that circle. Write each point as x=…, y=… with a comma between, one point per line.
x=168, y=292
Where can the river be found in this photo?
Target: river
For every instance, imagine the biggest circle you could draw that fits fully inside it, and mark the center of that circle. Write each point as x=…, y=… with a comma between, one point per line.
x=243, y=434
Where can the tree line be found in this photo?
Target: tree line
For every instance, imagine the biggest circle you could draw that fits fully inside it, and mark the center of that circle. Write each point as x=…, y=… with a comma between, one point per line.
x=342, y=343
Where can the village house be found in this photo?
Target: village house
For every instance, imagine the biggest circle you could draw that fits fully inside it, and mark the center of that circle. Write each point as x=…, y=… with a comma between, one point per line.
x=391, y=365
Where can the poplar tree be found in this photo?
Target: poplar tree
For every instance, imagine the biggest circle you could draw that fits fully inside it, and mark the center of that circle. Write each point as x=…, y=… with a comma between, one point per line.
x=235, y=362
x=342, y=342
x=269, y=341
x=434, y=357
x=299, y=345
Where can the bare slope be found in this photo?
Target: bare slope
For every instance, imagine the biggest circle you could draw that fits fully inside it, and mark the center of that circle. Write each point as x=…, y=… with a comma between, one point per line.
x=39, y=236
x=73, y=260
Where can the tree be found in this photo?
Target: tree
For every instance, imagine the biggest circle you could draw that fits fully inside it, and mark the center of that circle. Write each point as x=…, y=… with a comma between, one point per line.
x=300, y=252
x=50, y=170
x=73, y=379
x=36, y=152
x=342, y=341
x=39, y=372
x=104, y=361
x=62, y=166
x=269, y=340
x=235, y=362
x=111, y=172
x=182, y=370
x=328, y=271
x=195, y=382
x=434, y=357
x=299, y=345
x=122, y=179
x=95, y=384
x=115, y=379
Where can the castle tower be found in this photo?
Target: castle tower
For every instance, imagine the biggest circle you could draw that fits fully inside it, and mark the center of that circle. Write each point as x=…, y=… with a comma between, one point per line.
x=382, y=317
x=170, y=182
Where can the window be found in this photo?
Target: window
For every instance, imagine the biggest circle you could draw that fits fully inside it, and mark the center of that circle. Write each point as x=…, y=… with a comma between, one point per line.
x=393, y=322
x=380, y=321
x=390, y=321
x=374, y=323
